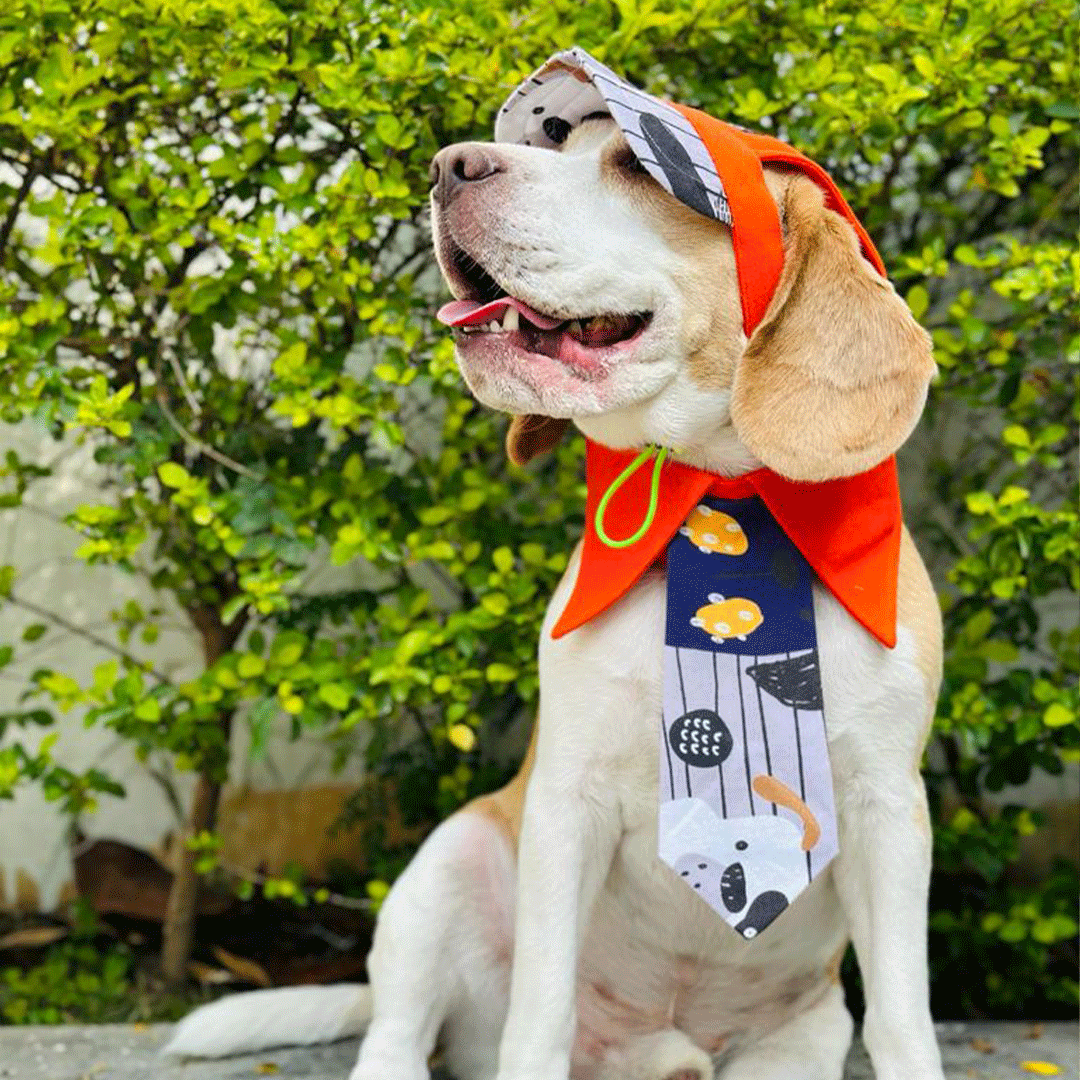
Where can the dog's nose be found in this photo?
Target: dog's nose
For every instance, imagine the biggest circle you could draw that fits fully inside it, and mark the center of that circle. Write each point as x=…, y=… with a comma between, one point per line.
x=461, y=164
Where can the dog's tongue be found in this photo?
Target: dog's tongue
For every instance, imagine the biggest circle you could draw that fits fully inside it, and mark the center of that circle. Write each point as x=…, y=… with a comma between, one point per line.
x=471, y=312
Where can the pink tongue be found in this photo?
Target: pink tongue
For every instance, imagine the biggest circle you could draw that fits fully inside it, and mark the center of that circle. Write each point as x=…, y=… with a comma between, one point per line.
x=470, y=312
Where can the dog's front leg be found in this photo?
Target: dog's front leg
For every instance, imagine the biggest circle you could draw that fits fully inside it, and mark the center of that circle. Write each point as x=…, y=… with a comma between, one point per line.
x=568, y=838
x=882, y=876
x=599, y=697
x=877, y=730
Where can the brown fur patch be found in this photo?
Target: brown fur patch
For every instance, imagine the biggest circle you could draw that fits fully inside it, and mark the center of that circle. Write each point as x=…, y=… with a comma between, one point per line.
x=506, y=806
x=834, y=378
x=711, y=332
x=531, y=435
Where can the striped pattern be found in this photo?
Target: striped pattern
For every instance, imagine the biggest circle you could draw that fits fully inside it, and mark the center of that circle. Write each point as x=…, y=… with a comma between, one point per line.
x=572, y=85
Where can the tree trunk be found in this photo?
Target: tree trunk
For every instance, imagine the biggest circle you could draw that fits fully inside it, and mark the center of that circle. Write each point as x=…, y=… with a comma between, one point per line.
x=178, y=932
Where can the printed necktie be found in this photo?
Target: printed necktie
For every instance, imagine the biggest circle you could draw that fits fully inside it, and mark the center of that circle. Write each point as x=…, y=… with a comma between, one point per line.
x=746, y=804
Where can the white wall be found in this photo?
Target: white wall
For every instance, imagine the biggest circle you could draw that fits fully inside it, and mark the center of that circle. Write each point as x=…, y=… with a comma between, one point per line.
x=33, y=846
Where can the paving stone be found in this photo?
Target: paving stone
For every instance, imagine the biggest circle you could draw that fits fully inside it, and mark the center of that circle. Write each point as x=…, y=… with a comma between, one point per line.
x=129, y=1052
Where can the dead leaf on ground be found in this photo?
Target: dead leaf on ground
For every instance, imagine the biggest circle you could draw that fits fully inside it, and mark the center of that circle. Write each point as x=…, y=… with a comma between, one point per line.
x=33, y=937
x=208, y=975
x=247, y=970
x=984, y=1046
x=268, y=1068
x=1041, y=1068
x=1034, y=1032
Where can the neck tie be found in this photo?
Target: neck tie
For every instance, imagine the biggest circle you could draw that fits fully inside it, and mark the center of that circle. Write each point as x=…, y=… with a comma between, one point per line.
x=746, y=814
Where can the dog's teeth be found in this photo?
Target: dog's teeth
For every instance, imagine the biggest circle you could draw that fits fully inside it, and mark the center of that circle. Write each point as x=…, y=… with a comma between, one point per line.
x=510, y=320
x=493, y=326
x=574, y=329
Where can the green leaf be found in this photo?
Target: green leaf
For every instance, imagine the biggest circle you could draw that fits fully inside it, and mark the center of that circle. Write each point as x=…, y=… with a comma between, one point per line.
x=173, y=475
x=1015, y=435
x=496, y=603
x=924, y=66
x=250, y=666
x=1057, y=715
x=883, y=73
x=1001, y=652
x=149, y=709
x=981, y=502
x=918, y=299
x=335, y=695
x=287, y=653
x=1013, y=930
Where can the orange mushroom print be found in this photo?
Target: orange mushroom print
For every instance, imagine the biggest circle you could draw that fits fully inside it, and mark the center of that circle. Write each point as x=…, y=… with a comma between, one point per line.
x=714, y=531
x=722, y=618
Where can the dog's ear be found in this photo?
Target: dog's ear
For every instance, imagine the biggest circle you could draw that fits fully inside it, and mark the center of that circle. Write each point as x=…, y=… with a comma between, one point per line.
x=835, y=376
x=531, y=435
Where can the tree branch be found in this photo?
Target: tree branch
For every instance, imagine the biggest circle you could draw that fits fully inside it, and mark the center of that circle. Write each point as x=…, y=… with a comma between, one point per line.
x=88, y=635
x=202, y=447
x=32, y=172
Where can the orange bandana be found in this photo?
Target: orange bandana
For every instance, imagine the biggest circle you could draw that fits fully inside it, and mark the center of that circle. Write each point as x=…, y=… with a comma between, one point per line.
x=847, y=529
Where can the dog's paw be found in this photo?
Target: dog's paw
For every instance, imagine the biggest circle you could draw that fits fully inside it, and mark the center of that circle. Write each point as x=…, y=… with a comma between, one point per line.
x=662, y=1055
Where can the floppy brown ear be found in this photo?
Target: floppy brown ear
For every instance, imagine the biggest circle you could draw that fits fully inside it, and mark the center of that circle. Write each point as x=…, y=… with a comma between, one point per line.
x=532, y=435
x=835, y=375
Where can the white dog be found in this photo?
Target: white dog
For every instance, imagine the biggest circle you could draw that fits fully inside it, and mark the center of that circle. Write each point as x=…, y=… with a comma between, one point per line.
x=536, y=935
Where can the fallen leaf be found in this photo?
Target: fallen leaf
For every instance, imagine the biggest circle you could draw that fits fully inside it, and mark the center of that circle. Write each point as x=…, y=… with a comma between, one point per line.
x=33, y=937
x=248, y=970
x=1034, y=1032
x=267, y=1068
x=984, y=1046
x=210, y=976
x=1041, y=1068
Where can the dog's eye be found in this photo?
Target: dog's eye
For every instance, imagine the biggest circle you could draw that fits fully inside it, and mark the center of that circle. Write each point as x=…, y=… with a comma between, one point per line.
x=626, y=159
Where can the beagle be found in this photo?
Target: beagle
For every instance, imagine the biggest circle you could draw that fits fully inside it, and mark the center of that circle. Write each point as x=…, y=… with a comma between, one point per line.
x=536, y=935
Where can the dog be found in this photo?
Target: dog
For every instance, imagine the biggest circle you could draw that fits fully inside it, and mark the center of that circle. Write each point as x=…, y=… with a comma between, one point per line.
x=536, y=935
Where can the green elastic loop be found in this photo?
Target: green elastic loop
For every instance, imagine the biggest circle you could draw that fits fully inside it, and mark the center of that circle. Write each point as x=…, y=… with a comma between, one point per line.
x=654, y=492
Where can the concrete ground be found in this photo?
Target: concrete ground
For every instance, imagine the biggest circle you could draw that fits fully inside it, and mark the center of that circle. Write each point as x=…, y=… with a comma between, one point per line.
x=129, y=1052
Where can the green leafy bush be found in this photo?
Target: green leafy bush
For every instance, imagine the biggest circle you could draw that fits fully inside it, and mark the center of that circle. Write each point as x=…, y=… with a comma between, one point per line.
x=214, y=268
x=75, y=983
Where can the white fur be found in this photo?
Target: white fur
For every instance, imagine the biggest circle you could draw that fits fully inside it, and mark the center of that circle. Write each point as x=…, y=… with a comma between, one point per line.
x=288, y=1016
x=587, y=958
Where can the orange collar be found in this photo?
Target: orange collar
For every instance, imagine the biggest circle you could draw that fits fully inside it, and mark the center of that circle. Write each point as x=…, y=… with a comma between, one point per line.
x=847, y=529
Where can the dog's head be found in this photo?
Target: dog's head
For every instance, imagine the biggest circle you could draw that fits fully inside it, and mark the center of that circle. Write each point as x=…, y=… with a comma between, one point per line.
x=620, y=310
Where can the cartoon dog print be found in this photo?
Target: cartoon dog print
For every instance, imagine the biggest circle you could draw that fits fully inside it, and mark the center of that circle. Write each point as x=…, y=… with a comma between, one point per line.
x=748, y=868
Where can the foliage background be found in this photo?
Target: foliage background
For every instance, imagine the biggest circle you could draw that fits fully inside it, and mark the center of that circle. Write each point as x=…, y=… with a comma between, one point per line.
x=214, y=268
